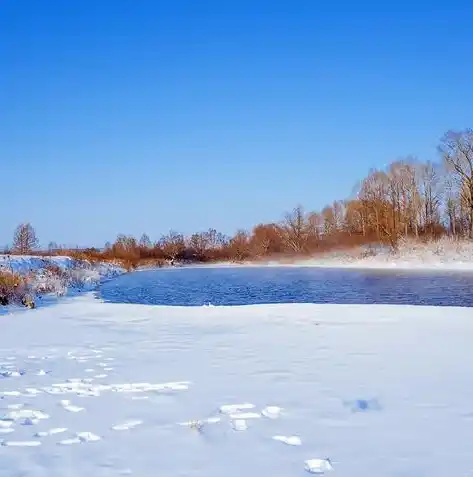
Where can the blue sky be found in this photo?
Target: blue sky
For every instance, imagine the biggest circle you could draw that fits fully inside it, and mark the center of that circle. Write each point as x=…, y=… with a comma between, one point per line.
x=134, y=116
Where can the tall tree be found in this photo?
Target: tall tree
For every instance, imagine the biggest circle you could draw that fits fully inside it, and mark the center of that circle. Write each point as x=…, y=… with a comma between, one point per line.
x=429, y=186
x=295, y=230
x=24, y=239
x=173, y=244
x=145, y=241
x=52, y=247
x=457, y=151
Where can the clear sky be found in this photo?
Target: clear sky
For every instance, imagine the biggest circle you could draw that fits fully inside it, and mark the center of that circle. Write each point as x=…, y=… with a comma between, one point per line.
x=131, y=116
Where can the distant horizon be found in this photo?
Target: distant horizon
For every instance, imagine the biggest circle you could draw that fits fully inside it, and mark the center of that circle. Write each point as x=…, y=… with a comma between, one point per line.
x=131, y=118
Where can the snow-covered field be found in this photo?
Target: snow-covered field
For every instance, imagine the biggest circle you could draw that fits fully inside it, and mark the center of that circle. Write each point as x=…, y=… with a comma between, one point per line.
x=380, y=390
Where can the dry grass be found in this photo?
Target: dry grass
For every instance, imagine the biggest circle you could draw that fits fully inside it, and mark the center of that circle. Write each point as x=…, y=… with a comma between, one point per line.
x=13, y=288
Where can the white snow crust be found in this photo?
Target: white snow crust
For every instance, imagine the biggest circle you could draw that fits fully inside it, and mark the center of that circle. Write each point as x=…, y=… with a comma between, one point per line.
x=379, y=390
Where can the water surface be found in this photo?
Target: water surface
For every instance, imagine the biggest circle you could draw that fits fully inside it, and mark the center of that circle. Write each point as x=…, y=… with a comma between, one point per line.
x=256, y=285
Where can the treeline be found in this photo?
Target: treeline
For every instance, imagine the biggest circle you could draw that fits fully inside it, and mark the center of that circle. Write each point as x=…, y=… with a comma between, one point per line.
x=409, y=198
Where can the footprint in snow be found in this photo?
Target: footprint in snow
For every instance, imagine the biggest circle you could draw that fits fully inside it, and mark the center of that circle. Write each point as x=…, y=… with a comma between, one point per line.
x=271, y=412
x=15, y=406
x=18, y=414
x=31, y=392
x=68, y=442
x=51, y=432
x=244, y=415
x=126, y=426
x=239, y=425
x=80, y=438
x=20, y=443
x=233, y=408
x=289, y=440
x=6, y=430
x=200, y=423
x=67, y=406
x=29, y=421
x=363, y=405
x=318, y=466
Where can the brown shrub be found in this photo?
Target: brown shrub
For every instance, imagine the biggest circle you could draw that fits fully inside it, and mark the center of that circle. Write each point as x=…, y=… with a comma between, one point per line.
x=12, y=288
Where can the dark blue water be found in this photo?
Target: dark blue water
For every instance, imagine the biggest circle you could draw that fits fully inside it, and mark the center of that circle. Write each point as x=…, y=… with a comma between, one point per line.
x=243, y=286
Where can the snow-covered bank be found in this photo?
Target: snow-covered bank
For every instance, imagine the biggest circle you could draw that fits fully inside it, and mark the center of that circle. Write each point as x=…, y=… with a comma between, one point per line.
x=57, y=274
x=445, y=254
x=98, y=389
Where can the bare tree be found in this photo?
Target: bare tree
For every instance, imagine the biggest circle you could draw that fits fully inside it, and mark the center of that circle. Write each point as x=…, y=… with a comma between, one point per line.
x=457, y=151
x=199, y=243
x=266, y=240
x=430, y=191
x=295, y=230
x=374, y=198
x=173, y=244
x=52, y=247
x=24, y=239
x=239, y=245
x=145, y=241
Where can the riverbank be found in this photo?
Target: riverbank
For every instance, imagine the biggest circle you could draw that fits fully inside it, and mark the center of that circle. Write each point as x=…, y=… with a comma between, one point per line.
x=441, y=255
x=26, y=279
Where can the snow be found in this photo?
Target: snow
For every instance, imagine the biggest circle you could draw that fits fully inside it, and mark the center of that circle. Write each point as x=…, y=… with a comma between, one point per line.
x=445, y=254
x=379, y=390
x=76, y=274
x=442, y=255
x=25, y=263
